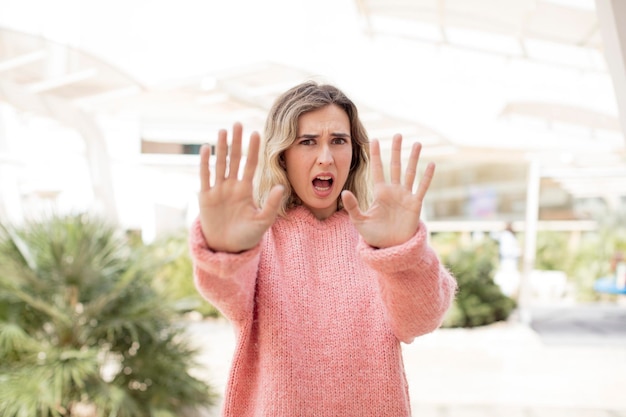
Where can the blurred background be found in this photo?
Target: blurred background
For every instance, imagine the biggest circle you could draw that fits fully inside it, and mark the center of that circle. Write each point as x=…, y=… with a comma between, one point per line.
x=520, y=103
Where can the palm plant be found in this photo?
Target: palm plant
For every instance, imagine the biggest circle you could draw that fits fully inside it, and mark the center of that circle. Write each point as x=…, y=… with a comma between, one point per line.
x=83, y=332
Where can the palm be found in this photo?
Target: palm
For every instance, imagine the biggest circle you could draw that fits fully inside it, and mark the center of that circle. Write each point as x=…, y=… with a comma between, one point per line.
x=394, y=216
x=230, y=219
x=81, y=322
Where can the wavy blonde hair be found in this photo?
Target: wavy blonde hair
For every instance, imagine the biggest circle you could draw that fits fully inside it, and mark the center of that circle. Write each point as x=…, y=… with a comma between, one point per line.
x=280, y=132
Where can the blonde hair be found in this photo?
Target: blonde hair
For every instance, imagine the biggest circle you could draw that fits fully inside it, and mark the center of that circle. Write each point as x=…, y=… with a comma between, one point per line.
x=280, y=132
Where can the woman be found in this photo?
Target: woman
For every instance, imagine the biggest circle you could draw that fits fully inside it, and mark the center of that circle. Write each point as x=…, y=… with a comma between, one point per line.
x=320, y=281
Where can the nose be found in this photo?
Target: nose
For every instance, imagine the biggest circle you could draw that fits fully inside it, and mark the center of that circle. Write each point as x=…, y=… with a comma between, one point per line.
x=325, y=155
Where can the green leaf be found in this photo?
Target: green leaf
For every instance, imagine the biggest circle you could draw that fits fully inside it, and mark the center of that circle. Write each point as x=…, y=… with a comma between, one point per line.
x=77, y=300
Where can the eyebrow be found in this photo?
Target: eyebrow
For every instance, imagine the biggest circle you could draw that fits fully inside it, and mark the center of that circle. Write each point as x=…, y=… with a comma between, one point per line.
x=313, y=136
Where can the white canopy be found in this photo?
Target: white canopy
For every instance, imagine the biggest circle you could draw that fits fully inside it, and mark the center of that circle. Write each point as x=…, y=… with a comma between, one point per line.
x=477, y=81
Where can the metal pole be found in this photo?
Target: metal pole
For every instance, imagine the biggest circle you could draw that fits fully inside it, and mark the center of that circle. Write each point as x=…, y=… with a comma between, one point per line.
x=612, y=25
x=530, y=239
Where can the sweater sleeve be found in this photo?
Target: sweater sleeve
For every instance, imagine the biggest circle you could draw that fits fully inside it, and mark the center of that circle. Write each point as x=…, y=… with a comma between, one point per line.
x=416, y=288
x=226, y=280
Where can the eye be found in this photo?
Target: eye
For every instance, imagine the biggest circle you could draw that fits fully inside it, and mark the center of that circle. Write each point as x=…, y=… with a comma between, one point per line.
x=339, y=141
x=307, y=142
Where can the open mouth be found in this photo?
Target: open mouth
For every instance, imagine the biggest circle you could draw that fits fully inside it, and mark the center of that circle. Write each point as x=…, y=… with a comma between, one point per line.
x=323, y=183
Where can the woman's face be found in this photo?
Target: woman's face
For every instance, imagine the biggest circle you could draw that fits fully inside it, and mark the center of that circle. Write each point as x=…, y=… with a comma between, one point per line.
x=318, y=162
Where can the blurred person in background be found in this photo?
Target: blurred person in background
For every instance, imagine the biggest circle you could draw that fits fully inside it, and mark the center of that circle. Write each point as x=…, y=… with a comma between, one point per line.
x=508, y=275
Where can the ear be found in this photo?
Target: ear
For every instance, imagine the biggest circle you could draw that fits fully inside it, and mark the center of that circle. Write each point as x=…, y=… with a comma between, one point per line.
x=281, y=161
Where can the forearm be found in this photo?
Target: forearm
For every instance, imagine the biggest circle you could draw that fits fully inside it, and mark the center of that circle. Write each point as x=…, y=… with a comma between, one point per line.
x=226, y=280
x=415, y=287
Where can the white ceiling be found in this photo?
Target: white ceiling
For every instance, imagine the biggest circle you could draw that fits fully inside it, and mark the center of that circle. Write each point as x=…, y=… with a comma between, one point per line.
x=474, y=80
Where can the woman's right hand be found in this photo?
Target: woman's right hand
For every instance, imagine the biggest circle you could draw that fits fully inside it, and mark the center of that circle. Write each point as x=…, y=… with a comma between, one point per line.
x=230, y=218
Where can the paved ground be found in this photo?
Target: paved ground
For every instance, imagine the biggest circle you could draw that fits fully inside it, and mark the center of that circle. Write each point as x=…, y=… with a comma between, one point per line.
x=569, y=361
x=591, y=324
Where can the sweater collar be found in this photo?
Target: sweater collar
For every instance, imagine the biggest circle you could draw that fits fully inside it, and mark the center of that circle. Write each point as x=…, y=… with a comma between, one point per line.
x=303, y=214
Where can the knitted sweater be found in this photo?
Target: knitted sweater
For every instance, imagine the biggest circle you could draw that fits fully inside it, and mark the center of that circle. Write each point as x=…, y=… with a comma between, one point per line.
x=319, y=316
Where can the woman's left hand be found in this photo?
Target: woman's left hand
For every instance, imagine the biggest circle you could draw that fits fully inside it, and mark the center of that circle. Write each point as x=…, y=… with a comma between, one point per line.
x=394, y=215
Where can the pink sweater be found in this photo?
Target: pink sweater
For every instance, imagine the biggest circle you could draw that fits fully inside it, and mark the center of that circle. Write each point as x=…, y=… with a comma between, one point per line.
x=319, y=316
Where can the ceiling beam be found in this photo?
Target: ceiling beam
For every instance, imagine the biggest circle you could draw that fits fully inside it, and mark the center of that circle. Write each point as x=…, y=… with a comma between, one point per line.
x=563, y=113
x=365, y=14
x=441, y=20
x=100, y=98
x=612, y=18
x=20, y=60
x=599, y=172
x=57, y=82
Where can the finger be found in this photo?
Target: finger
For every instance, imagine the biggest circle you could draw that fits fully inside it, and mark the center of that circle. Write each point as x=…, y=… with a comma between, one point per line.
x=411, y=169
x=377, y=163
x=220, y=161
x=235, y=151
x=351, y=204
x=425, y=182
x=270, y=209
x=396, y=162
x=205, y=171
x=253, y=157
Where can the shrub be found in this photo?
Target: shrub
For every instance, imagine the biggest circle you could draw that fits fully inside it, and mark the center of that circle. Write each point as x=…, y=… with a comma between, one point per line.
x=584, y=259
x=591, y=258
x=83, y=330
x=479, y=300
x=175, y=277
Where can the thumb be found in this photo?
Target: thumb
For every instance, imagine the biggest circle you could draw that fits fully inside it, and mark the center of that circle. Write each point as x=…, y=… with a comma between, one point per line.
x=351, y=204
x=270, y=208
